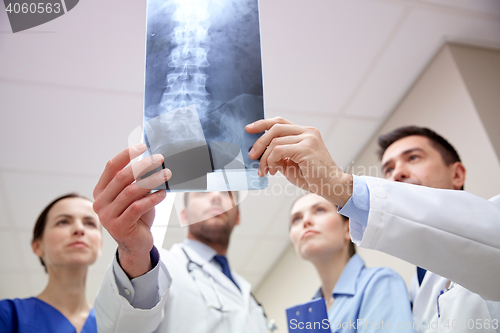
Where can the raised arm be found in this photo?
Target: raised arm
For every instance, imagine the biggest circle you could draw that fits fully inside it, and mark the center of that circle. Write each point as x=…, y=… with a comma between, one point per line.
x=132, y=295
x=126, y=208
x=452, y=233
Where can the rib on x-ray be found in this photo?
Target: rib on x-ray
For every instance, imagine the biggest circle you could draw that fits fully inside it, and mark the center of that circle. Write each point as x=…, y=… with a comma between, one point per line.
x=203, y=85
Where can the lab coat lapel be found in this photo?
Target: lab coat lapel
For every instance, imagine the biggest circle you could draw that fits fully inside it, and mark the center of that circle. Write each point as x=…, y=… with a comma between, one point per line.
x=220, y=279
x=245, y=287
x=425, y=302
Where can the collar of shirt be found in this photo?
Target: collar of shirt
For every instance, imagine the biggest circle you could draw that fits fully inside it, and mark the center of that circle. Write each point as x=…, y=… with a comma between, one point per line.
x=203, y=250
x=346, y=285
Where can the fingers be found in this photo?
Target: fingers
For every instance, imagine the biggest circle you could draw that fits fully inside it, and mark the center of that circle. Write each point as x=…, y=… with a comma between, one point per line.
x=282, y=152
x=116, y=164
x=265, y=124
x=125, y=193
x=146, y=166
x=276, y=131
x=123, y=177
x=134, y=212
x=273, y=165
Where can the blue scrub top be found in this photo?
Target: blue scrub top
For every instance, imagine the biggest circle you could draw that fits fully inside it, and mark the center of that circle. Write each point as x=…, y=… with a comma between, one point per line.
x=369, y=300
x=33, y=315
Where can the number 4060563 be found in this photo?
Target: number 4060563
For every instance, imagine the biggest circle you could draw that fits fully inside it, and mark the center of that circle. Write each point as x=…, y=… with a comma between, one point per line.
x=33, y=8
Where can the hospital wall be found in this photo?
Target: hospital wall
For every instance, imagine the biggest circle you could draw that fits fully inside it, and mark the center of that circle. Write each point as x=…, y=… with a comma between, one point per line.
x=457, y=96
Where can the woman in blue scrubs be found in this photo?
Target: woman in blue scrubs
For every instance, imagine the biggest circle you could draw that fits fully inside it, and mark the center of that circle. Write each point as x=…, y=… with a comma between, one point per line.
x=67, y=238
x=357, y=298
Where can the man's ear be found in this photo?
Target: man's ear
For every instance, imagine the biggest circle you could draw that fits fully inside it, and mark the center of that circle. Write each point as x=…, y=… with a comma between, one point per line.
x=237, y=216
x=458, y=175
x=348, y=235
x=183, y=217
x=37, y=248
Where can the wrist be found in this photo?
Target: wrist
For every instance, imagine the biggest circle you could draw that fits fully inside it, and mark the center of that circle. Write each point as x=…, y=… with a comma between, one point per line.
x=134, y=264
x=340, y=189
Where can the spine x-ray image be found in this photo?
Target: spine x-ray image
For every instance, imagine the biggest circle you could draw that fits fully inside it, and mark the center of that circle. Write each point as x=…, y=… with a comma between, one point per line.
x=203, y=85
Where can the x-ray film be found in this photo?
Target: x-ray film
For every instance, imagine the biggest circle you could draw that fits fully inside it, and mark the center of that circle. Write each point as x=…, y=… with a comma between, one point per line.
x=203, y=85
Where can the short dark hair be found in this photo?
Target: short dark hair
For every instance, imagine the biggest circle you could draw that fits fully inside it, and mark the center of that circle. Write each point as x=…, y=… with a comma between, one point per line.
x=352, y=246
x=445, y=149
x=42, y=219
x=233, y=193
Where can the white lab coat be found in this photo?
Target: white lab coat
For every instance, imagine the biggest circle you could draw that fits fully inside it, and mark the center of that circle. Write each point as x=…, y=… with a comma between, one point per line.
x=181, y=308
x=460, y=310
x=451, y=233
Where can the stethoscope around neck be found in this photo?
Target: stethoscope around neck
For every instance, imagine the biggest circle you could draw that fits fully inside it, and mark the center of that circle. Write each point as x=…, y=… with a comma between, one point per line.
x=191, y=266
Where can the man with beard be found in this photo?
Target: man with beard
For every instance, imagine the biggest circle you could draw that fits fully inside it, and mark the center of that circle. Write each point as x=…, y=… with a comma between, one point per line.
x=189, y=288
x=434, y=225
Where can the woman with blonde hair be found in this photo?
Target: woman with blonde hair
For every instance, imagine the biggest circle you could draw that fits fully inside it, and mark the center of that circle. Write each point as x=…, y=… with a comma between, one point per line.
x=352, y=292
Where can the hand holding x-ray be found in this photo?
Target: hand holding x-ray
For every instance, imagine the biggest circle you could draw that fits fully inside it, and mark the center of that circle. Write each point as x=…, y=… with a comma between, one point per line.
x=299, y=153
x=126, y=207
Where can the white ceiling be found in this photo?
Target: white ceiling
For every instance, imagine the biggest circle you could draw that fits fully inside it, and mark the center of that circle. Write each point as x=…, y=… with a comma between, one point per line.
x=71, y=92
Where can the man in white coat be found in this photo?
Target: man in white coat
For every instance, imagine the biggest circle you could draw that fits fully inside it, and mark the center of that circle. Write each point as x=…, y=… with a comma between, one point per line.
x=434, y=226
x=420, y=156
x=187, y=289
